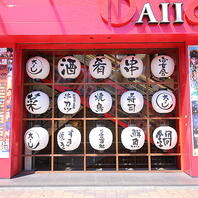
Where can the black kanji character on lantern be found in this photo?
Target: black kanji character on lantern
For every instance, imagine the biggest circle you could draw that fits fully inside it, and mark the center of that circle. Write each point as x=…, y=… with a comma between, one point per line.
x=32, y=101
x=135, y=142
x=101, y=139
x=35, y=66
x=99, y=65
x=159, y=137
x=69, y=142
x=131, y=64
x=163, y=64
x=168, y=138
x=70, y=68
x=99, y=97
x=62, y=136
x=67, y=102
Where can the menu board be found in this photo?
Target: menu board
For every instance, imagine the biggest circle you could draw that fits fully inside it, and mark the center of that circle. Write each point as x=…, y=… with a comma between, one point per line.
x=3, y=91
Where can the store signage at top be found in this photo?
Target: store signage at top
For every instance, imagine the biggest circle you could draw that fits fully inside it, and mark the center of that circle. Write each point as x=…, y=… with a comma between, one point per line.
x=109, y=11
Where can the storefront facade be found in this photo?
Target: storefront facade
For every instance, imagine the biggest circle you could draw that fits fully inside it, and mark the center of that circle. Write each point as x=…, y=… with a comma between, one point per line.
x=83, y=31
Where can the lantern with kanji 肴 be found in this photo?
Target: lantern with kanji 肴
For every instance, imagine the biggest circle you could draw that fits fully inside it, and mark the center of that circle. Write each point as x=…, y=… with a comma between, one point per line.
x=37, y=68
x=133, y=137
x=131, y=67
x=100, y=102
x=162, y=66
x=37, y=102
x=69, y=67
x=100, y=138
x=163, y=101
x=36, y=138
x=165, y=137
x=132, y=102
x=100, y=67
x=69, y=138
x=69, y=102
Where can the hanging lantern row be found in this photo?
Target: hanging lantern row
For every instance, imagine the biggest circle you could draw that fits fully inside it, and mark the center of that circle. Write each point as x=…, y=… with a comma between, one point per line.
x=100, y=67
x=100, y=138
x=100, y=102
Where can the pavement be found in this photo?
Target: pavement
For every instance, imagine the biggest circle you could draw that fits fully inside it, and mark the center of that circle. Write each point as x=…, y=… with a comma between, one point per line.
x=99, y=185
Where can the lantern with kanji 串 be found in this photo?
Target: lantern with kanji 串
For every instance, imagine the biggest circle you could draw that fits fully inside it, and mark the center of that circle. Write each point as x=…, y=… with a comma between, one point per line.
x=133, y=137
x=100, y=138
x=162, y=66
x=36, y=138
x=37, y=68
x=69, y=67
x=165, y=137
x=37, y=102
x=69, y=138
x=100, y=102
x=131, y=67
x=163, y=101
x=100, y=67
x=69, y=102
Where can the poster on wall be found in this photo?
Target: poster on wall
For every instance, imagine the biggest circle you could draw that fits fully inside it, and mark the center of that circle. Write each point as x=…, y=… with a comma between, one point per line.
x=6, y=62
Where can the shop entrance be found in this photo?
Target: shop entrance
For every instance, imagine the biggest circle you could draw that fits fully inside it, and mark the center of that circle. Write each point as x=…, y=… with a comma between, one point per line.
x=117, y=157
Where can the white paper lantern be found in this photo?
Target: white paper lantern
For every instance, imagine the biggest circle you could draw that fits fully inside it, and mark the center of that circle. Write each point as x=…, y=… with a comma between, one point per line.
x=162, y=66
x=132, y=102
x=100, y=102
x=100, y=138
x=100, y=67
x=163, y=101
x=69, y=138
x=69, y=67
x=36, y=138
x=133, y=138
x=131, y=67
x=69, y=102
x=165, y=137
x=37, y=102
x=37, y=67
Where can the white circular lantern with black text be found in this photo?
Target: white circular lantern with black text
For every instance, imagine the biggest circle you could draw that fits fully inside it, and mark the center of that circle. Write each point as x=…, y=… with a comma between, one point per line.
x=36, y=138
x=69, y=138
x=165, y=137
x=132, y=102
x=133, y=138
x=100, y=138
x=131, y=67
x=100, y=102
x=163, y=101
x=37, y=67
x=69, y=102
x=37, y=102
x=100, y=67
x=162, y=66
x=69, y=67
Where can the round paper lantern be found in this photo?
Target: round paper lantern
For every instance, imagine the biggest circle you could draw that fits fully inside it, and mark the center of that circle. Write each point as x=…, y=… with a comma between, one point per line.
x=36, y=138
x=100, y=102
x=37, y=67
x=163, y=101
x=100, y=67
x=162, y=66
x=69, y=102
x=133, y=138
x=37, y=102
x=165, y=137
x=69, y=138
x=132, y=102
x=131, y=67
x=100, y=138
x=69, y=67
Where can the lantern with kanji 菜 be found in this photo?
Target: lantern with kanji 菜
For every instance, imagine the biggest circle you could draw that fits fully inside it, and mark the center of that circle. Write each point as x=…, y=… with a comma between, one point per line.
x=163, y=101
x=36, y=138
x=165, y=137
x=131, y=67
x=69, y=138
x=100, y=138
x=132, y=102
x=162, y=66
x=100, y=102
x=133, y=137
x=100, y=67
x=69, y=67
x=37, y=102
x=37, y=67
x=69, y=102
